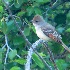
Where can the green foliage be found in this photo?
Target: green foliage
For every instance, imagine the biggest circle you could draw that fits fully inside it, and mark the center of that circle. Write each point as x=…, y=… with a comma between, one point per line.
x=1, y=9
x=37, y=61
x=23, y=12
x=17, y=40
x=20, y=61
x=68, y=30
x=12, y=54
x=61, y=64
x=15, y=68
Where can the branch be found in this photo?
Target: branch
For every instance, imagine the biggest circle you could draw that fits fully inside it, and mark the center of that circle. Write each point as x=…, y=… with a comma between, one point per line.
x=30, y=52
x=51, y=55
x=56, y=4
x=6, y=41
x=8, y=48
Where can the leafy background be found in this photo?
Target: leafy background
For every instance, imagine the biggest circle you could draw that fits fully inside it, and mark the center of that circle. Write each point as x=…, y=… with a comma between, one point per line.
x=56, y=12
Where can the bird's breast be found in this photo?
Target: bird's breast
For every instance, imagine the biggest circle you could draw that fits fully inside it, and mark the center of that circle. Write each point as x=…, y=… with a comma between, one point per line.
x=40, y=34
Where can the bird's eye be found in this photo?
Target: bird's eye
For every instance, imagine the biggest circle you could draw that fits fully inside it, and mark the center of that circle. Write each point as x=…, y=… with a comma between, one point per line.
x=36, y=21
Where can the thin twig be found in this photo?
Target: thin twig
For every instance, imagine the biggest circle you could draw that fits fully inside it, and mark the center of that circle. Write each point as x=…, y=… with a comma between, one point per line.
x=4, y=46
x=51, y=55
x=7, y=49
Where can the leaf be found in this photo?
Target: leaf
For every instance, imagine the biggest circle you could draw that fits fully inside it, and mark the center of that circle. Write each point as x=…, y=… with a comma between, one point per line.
x=61, y=64
x=20, y=13
x=12, y=54
x=10, y=26
x=33, y=29
x=30, y=10
x=20, y=61
x=68, y=30
x=68, y=56
x=37, y=11
x=37, y=61
x=4, y=27
x=18, y=3
x=1, y=9
x=42, y=54
x=15, y=68
x=1, y=50
x=68, y=16
x=18, y=40
x=26, y=31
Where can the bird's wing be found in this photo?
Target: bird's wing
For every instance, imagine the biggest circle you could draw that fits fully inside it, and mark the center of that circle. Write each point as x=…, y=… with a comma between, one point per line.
x=51, y=33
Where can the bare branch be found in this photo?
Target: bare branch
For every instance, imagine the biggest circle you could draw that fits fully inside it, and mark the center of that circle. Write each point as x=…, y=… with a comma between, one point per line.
x=51, y=55
x=30, y=52
x=4, y=46
x=7, y=49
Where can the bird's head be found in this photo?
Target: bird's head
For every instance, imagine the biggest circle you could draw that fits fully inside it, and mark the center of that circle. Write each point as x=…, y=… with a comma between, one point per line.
x=38, y=20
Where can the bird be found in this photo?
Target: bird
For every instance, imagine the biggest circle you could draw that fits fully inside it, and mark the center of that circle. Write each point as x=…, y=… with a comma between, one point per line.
x=46, y=31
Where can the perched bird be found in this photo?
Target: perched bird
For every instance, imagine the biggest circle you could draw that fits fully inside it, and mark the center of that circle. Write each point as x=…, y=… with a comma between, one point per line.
x=46, y=31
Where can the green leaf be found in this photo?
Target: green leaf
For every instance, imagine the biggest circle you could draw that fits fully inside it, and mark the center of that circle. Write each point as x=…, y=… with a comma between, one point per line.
x=1, y=36
x=38, y=61
x=68, y=16
x=18, y=40
x=27, y=31
x=1, y=51
x=21, y=13
x=18, y=3
x=43, y=55
x=12, y=54
x=33, y=28
x=30, y=10
x=68, y=30
x=20, y=61
x=1, y=9
x=4, y=27
x=37, y=11
x=10, y=26
x=1, y=15
x=61, y=64
x=68, y=56
x=15, y=68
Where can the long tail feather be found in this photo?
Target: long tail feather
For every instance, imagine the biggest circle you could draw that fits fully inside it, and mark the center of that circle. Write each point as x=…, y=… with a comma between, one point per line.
x=66, y=48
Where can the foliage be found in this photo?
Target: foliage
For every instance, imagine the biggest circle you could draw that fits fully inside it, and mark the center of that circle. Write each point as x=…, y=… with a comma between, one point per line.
x=56, y=13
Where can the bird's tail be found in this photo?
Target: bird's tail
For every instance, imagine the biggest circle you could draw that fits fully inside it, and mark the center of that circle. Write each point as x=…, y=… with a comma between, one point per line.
x=66, y=48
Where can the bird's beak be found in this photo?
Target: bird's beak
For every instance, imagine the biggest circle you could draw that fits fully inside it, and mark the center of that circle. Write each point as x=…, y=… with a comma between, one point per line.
x=31, y=21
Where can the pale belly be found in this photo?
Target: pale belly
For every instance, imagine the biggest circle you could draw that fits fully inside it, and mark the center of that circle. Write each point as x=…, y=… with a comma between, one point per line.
x=41, y=35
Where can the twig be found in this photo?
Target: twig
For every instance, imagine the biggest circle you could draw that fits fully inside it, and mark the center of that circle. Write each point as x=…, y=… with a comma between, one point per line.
x=24, y=37
x=51, y=55
x=4, y=46
x=55, y=5
x=7, y=49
